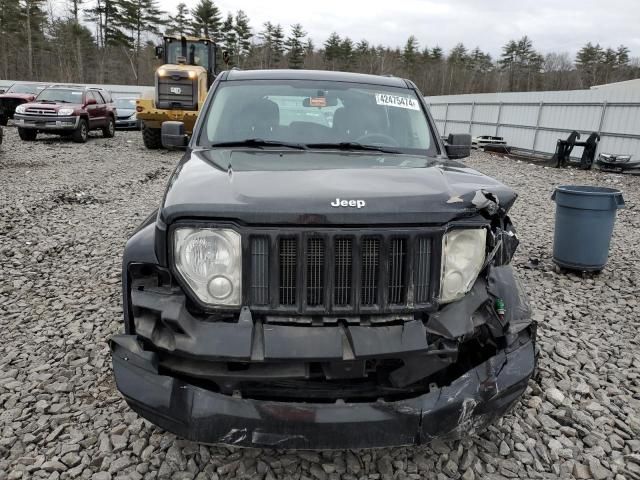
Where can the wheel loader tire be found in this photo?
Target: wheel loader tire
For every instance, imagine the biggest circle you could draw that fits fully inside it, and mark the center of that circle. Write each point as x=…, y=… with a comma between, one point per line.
x=152, y=138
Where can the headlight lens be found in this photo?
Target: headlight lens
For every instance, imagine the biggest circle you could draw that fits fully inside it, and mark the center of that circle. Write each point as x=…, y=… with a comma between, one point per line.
x=63, y=112
x=463, y=253
x=210, y=261
x=192, y=74
x=133, y=116
x=20, y=109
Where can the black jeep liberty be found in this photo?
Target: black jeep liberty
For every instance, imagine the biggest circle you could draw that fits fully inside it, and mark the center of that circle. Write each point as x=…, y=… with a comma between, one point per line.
x=322, y=274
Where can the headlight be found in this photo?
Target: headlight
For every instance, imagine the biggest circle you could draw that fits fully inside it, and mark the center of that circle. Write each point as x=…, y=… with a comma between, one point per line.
x=463, y=253
x=64, y=112
x=162, y=72
x=133, y=116
x=20, y=109
x=192, y=74
x=210, y=261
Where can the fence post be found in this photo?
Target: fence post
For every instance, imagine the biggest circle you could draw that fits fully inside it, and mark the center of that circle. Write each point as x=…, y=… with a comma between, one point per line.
x=446, y=116
x=604, y=109
x=498, y=119
x=473, y=107
x=535, y=133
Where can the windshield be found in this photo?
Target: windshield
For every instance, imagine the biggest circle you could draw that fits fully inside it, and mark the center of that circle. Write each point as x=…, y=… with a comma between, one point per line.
x=24, y=88
x=318, y=113
x=197, y=53
x=126, y=103
x=60, y=95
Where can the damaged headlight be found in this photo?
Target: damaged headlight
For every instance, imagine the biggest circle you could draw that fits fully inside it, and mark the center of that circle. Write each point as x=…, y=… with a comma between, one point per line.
x=463, y=253
x=210, y=261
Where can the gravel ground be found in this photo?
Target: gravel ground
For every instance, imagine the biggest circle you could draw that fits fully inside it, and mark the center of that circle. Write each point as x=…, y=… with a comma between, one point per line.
x=65, y=213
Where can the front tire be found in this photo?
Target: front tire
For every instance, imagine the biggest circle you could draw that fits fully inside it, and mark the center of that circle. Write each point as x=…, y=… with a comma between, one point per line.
x=110, y=130
x=27, y=134
x=81, y=133
x=152, y=138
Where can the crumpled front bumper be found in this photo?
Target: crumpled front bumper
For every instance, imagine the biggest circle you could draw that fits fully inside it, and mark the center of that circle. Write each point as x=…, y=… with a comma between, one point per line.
x=470, y=402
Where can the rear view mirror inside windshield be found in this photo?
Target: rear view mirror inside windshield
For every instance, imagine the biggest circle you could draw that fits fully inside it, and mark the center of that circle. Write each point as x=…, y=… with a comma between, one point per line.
x=320, y=101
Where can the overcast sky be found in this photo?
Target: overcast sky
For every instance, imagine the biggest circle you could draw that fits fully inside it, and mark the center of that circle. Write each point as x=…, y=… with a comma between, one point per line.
x=553, y=25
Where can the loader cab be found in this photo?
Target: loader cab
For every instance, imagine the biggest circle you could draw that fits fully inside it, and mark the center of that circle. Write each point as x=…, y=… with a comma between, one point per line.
x=199, y=52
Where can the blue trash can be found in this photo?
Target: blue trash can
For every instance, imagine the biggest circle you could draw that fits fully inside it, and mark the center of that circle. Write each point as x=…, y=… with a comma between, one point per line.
x=584, y=223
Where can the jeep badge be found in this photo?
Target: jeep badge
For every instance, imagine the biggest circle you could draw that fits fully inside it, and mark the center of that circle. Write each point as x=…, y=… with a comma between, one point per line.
x=348, y=203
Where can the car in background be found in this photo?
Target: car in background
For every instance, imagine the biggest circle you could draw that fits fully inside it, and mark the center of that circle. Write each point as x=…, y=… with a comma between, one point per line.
x=15, y=95
x=127, y=117
x=67, y=110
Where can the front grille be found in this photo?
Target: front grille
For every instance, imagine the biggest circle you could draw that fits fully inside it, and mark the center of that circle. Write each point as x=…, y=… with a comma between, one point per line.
x=177, y=91
x=41, y=111
x=336, y=272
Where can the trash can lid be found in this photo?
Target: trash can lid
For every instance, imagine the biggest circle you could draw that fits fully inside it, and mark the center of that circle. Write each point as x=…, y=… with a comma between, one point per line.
x=587, y=190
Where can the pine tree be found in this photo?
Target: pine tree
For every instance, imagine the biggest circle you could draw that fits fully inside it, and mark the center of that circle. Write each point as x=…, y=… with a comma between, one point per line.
x=589, y=61
x=277, y=44
x=228, y=34
x=206, y=20
x=243, y=34
x=266, y=36
x=179, y=24
x=332, y=49
x=295, y=46
x=33, y=29
x=10, y=24
x=410, y=52
x=347, y=54
x=138, y=18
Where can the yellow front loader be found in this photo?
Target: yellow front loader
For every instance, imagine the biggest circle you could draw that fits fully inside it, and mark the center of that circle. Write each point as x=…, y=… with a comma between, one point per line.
x=181, y=86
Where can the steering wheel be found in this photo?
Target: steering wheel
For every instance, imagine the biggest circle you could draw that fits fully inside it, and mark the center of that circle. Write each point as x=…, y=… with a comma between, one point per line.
x=383, y=140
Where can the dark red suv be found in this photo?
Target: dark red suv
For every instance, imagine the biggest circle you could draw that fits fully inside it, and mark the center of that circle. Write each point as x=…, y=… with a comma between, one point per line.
x=68, y=111
x=15, y=95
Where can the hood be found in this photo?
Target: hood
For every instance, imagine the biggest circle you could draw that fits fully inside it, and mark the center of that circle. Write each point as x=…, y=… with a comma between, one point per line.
x=27, y=97
x=52, y=106
x=298, y=187
x=125, y=112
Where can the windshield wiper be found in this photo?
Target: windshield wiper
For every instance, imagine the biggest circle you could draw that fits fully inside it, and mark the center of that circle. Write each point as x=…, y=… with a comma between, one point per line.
x=352, y=146
x=258, y=143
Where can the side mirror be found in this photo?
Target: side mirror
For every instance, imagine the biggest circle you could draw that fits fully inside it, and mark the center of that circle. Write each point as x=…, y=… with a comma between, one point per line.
x=90, y=101
x=173, y=136
x=159, y=52
x=458, y=145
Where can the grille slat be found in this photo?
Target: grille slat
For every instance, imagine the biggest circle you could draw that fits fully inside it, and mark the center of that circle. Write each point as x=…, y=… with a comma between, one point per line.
x=370, y=271
x=315, y=271
x=397, y=269
x=259, y=285
x=422, y=270
x=343, y=258
x=288, y=270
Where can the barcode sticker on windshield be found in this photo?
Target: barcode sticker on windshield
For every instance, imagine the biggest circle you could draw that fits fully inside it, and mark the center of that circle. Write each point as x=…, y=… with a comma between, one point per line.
x=397, y=101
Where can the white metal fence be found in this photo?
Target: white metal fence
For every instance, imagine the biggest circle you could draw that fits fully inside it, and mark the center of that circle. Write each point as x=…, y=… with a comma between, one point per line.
x=533, y=121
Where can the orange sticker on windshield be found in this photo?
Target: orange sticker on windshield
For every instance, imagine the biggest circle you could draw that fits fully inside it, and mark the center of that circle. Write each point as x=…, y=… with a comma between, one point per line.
x=318, y=101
